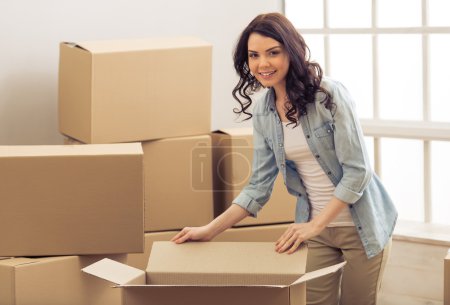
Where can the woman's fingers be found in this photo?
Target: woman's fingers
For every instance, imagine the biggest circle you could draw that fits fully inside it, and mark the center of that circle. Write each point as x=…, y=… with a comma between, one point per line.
x=295, y=246
x=181, y=236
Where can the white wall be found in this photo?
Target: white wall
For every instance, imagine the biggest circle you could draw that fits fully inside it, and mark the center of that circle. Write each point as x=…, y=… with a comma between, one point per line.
x=30, y=32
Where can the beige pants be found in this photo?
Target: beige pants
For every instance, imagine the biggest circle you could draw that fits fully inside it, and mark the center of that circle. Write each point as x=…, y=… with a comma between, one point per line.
x=358, y=283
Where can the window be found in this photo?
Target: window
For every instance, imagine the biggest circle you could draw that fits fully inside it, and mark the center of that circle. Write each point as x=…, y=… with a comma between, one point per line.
x=393, y=57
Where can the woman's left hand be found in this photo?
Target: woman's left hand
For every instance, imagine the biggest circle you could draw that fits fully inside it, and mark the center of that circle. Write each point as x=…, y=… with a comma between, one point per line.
x=295, y=235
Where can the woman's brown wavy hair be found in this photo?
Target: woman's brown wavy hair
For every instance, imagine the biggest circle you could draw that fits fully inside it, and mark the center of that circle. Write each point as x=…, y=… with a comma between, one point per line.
x=303, y=77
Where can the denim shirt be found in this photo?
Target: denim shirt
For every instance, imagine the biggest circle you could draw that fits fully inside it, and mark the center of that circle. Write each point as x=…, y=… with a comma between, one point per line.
x=336, y=140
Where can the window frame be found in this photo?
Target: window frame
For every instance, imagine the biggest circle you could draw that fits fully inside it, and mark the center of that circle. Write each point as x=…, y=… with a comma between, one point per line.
x=425, y=129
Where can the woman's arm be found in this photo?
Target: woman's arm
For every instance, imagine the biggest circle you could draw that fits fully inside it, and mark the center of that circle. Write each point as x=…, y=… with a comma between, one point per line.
x=226, y=220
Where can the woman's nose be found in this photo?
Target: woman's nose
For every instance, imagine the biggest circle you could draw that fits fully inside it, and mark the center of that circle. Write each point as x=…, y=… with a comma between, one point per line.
x=264, y=62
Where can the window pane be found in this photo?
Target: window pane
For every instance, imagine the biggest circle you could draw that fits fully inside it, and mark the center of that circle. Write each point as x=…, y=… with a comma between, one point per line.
x=440, y=77
x=399, y=13
x=402, y=174
x=400, y=77
x=438, y=12
x=305, y=13
x=440, y=164
x=351, y=64
x=315, y=45
x=349, y=13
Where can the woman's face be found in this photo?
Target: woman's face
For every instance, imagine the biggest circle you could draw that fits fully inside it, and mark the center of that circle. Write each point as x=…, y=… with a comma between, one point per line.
x=268, y=60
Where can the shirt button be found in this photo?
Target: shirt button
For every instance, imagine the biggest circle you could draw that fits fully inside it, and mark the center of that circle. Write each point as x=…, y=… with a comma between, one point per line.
x=282, y=165
x=281, y=145
x=359, y=228
x=329, y=173
x=308, y=136
x=317, y=156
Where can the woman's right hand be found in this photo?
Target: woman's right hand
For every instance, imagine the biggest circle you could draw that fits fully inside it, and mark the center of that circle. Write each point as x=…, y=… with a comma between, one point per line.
x=192, y=233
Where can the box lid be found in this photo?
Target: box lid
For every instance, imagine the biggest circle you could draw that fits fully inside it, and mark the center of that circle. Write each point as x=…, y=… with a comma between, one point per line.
x=113, y=46
x=116, y=272
x=70, y=150
x=223, y=263
x=257, y=263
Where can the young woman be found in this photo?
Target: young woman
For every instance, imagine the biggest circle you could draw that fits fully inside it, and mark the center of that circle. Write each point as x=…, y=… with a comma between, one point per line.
x=305, y=127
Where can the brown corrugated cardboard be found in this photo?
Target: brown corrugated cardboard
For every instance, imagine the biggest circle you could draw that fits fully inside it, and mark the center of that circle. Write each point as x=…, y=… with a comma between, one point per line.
x=140, y=260
x=71, y=199
x=95, y=290
x=447, y=279
x=243, y=266
x=269, y=233
x=54, y=281
x=232, y=162
x=222, y=263
x=135, y=90
x=40, y=281
x=178, y=182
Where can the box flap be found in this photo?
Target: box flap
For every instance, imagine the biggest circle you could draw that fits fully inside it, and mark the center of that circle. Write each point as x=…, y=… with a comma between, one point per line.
x=70, y=150
x=318, y=273
x=116, y=272
x=160, y=43
x=228, y=263
x=238, y=131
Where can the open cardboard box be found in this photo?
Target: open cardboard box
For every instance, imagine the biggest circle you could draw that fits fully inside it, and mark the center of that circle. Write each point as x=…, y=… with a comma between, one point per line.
x=219, y=273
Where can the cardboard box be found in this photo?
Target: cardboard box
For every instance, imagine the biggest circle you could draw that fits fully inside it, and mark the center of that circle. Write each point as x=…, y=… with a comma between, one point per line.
x=213, y=273
x=94, y=290
x=140, y=260
x=40, y=281
x=54, y=281
x=269, y=233
x=135, y=90
x=178, y=182
x=232, y=164
x=71, y=199
x=447, y=279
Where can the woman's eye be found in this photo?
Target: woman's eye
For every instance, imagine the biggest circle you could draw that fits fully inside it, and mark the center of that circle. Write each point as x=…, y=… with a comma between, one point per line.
x=274, y=53
x=252, y=55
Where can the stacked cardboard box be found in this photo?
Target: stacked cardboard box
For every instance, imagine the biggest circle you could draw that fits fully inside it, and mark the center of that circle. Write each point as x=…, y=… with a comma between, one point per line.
x=62, y=200
x=135, y=90
x=80, y=200
x=233, y=156
x=55, y=280
x=157, y=91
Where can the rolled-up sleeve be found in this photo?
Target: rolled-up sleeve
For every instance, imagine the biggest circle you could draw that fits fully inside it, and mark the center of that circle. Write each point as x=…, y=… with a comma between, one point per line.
x=350, y=148
x=264, y=172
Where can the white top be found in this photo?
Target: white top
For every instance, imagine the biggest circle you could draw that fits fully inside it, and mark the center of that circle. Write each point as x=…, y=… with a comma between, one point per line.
x=318, y=186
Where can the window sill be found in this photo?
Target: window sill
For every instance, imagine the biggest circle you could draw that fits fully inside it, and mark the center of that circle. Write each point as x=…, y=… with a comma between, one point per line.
x=424, y=233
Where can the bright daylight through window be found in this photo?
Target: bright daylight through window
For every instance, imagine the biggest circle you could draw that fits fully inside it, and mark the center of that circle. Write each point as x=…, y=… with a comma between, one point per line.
x=392, y=55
